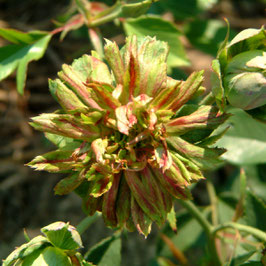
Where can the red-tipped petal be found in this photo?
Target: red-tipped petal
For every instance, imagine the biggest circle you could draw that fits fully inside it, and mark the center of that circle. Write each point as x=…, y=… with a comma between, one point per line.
x=142, y=196
x=172, y=184
x=140, y=218
x=114, y=59
x=65, y=125
x=109, y=203
x=123, y=202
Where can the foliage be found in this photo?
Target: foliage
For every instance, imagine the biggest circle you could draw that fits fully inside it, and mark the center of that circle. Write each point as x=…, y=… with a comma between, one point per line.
x=138, y=143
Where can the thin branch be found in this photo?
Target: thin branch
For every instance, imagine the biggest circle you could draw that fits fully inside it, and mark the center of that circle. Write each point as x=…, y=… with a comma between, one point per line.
x=241, y=227
x=194, y=211
x=87, y=222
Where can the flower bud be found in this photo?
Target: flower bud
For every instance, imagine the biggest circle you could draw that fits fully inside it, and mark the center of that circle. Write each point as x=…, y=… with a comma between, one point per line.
x=240, y=71
x=245, y=80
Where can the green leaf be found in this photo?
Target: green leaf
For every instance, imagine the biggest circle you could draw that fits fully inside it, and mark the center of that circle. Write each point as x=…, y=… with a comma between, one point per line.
x=19, y=55
x=164, y=31
x=217, y=85
x=246, y=40
x=49, y=256
x=106, y=253
x=255, y=210
x=63, y=235
x=19, y=37
x=256, y=176
x=186, y=9
x=245, y=140
x=226, y=207
x=207, y=35
x=36, y=244
x=240, y=259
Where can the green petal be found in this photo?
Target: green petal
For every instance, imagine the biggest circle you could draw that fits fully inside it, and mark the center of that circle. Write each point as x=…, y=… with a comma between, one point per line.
x=131, y=80
x=104, y=97
x=204, y=158
x=109, y=203
x=64, y=96
x=152, y=57
x=188, y=169
x=163, y=157
x=123, y=202
x=171, y=218
x=99, y=148
x=173, y=182
x=142, y=195
x=145, y=64
x=91, y=69
x=65, y=125
x=54, y=162
x=154, y=189
x=165, y=97
x=114, y=59
x=140, y=218
x=74, y=81
x=68, y=184
x=91, y=204
x=205, y=117
x=100, y=184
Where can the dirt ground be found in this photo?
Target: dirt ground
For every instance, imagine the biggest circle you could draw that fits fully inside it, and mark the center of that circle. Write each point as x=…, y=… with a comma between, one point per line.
x=26, y=197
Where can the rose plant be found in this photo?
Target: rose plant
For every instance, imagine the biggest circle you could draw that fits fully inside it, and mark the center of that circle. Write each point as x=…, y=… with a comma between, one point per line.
x=133, y=141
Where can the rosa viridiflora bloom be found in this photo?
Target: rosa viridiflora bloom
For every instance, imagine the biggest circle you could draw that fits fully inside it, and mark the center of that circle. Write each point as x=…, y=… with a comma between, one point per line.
x=126, y=134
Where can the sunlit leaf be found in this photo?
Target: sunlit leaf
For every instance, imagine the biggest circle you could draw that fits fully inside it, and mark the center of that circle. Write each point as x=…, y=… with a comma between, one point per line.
x=106, y=253
x=245, y=140
x=27, y=47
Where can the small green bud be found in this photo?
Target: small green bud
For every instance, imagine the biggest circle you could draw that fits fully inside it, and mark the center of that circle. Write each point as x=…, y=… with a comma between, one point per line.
x=240, y=71
x=245, y=80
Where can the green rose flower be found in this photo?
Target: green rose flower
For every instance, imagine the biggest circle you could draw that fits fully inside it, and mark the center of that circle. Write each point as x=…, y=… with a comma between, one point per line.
x=126, y=135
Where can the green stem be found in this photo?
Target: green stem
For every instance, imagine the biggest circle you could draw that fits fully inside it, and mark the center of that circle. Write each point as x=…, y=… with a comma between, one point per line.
x=241, y=227
x=102, y=20
x=213, y=201
x=194, y=211
x=208, y=228
x=86, y=223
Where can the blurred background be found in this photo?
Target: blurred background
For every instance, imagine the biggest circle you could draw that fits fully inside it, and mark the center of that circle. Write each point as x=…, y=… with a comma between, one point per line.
x=26, y=197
